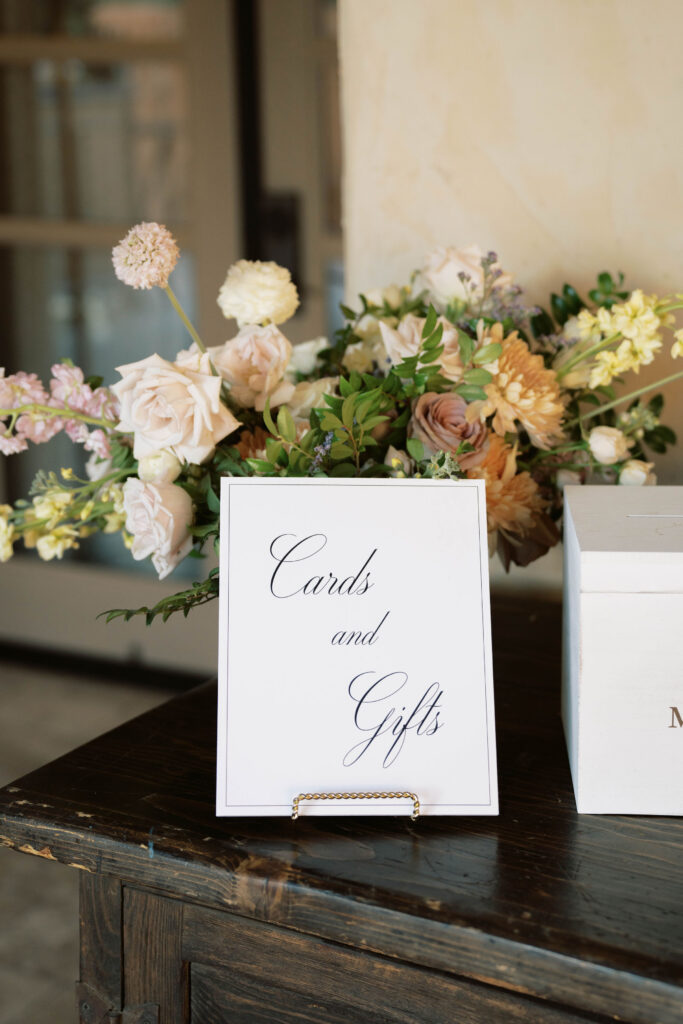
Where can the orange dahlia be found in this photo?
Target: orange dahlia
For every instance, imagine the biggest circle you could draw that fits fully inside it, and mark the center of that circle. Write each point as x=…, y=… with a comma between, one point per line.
x=513, y=499
x=522, y=390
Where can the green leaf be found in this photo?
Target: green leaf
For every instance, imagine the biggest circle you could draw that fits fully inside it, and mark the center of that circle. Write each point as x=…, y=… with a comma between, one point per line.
x=656, y=404
x=434, y=339
x=374, y=421
x=470, y=392
x=212, y=500
x=415, y=448
x=268, y=418
x=559, y=308
x=480, y=377
x=348, y=407
x=261, y=466
x=430, y=322
x=572, y=300
x=345, y=387
x=341, y=451
x=273, y=450
x=328, y=421
x=487, y=353
x=605, y=282
x=343, y=469
x=349, y=314
x=542, y=324
x=665, y=434
x=285, y=424
x=466, y=345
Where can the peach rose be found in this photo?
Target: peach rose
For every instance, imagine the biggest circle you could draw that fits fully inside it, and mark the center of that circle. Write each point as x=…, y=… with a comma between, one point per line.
x=311, y=395
x=254, y=363
x=406, y=339
x=166, y=405
x=158, y=517
x=441, y=275
x=439, y=421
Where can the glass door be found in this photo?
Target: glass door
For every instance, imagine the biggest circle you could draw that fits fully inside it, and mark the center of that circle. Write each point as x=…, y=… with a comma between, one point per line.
x=111, y=112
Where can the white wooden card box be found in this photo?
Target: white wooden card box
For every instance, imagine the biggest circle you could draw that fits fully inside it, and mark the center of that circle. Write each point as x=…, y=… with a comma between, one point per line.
x=622, y=687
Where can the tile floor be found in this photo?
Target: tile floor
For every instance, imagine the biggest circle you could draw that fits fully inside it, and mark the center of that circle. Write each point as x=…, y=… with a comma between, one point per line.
x=43, y=715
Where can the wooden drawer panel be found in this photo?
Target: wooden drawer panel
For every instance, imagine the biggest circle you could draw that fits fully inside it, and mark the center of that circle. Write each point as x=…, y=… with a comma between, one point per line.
x=243, y=972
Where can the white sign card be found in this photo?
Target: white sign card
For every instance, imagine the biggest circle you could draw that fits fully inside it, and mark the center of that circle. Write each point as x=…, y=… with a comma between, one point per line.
x=355, y=646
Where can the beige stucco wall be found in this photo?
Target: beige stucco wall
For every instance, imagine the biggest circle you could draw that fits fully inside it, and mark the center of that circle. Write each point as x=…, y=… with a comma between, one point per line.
x=548, y=130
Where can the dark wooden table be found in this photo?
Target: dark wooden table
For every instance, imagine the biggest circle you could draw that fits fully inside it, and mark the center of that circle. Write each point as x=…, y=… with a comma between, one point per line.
x=537, y=915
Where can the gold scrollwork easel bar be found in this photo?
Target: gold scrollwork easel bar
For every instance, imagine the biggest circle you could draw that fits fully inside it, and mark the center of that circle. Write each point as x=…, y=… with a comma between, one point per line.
x=308, y=797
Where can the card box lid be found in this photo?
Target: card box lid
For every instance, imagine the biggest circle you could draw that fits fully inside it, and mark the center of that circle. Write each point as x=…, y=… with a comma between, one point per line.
x=630, y=539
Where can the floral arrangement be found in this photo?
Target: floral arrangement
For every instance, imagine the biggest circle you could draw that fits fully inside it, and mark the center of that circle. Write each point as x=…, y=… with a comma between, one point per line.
x=449, y=376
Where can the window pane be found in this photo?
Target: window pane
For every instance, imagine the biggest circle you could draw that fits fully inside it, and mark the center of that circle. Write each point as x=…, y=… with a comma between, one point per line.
x=58, y=303
x=94, y=143
x=131, y=19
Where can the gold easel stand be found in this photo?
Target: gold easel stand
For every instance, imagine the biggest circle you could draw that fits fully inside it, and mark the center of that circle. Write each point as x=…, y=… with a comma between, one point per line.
x=308, y=797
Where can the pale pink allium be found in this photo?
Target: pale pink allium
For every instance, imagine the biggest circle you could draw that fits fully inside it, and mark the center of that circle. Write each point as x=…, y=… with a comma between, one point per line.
x=146, y=256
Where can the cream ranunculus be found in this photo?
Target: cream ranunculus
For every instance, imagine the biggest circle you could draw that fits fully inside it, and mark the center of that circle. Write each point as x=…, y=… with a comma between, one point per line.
x=310, y=395
x=608, y=445
x=441, y=275
x=254, y=363
x=637, y=473
x=406, y=339
x=168, y=406
x=159, y=468
x=158, y=517
x=258, y=293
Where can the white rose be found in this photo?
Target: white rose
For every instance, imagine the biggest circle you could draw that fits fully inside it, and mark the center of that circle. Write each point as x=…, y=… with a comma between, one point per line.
x=608, y=445
x=309, y=395
x=254, y=363
x=405, y=341
x=637, y=473
x=158, y=517
x=159, y=468
x=258, y=293
x=440, y=275
x=566, y=477
x=305, y=356
x=169, y=406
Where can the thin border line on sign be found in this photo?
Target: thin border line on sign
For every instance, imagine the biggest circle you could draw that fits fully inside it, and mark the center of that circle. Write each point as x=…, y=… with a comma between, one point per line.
x=302, y=482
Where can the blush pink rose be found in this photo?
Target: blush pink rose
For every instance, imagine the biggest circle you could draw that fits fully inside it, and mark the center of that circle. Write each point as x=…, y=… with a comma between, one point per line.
x=439, y=421
x=158, y=517
x=166, y=405
x=254, y=363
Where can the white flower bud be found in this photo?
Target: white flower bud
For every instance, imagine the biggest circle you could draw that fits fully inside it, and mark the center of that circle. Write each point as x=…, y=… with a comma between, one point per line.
x=636, y=473
x=608, y=445
x=161, y=467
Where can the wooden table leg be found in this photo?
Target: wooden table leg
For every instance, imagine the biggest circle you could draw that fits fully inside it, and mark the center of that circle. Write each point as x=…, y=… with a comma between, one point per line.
x=155, y=977
x=100, y=989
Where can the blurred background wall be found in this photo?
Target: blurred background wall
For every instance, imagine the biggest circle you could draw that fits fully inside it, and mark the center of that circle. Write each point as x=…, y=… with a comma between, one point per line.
x=547, y=130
